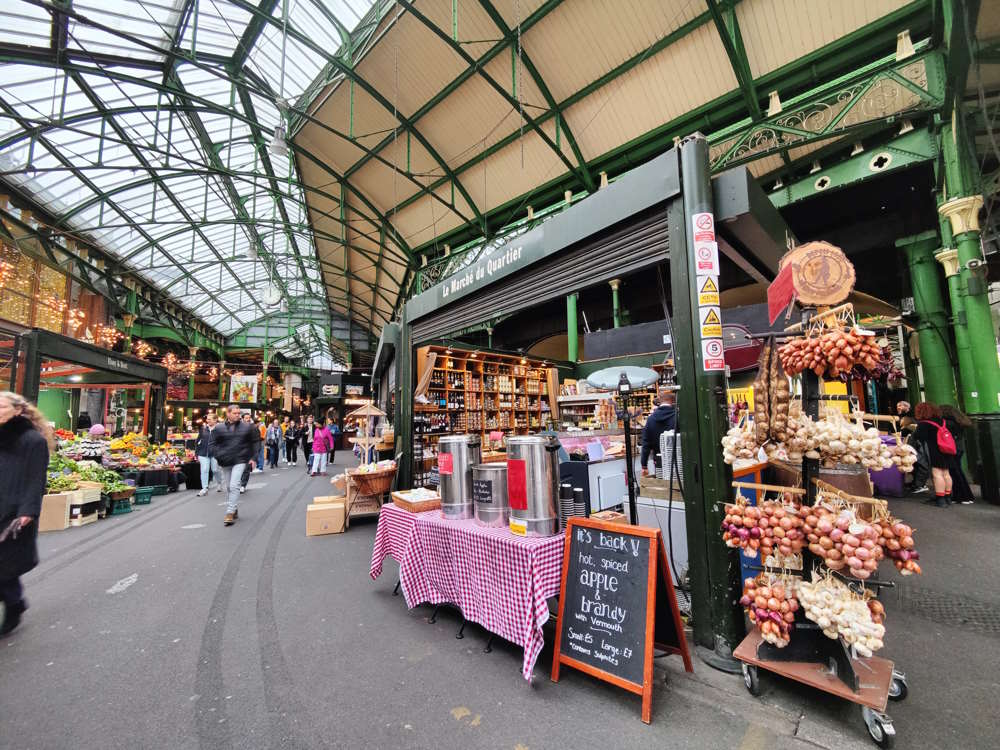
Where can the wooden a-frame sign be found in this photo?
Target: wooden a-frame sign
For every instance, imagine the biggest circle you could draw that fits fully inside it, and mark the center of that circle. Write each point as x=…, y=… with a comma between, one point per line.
x=616, y=602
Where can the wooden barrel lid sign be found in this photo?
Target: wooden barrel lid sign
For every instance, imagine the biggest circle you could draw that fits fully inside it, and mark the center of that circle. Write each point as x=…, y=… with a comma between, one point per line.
x=822, y=273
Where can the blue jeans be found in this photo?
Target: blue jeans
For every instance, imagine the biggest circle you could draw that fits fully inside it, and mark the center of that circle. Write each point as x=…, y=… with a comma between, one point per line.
x=262, y=456
x=231, y=476
x=207, y=463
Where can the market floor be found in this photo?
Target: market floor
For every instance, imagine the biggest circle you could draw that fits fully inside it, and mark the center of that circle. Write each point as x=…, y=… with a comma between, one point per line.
x=163, y=629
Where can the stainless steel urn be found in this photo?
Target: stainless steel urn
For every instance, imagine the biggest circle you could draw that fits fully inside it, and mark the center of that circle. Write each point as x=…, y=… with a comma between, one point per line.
x=533, y=484
x=489, y=492
x=456, y=456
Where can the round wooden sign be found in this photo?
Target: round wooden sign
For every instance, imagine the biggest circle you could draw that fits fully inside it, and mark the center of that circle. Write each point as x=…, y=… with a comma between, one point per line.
x=821, y=272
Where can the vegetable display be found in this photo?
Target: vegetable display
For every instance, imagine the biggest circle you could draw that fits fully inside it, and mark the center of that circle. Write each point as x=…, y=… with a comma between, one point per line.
x=761, y=400
x=770, y=601
x=768, y=527
x=842, y=613
x=831, y=353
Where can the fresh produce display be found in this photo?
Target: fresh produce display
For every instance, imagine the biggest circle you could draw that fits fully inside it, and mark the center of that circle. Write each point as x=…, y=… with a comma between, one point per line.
x=844, y=541
x=761, y=398
x=372, y=468
x=86, y=447
x=66, y=436
x=770, y=601
x=896, y=538
x=831, y=353
x=779, y=394
x=57, y=483
x=768, y=527
x=842, y=613
x=833, y=440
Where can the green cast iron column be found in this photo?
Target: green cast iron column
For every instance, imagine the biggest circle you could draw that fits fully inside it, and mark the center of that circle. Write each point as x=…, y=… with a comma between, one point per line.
x=572, y=332
x=932, y=321
x=968, y=398
x=963, y=212
x=404, y=406
x=615, y=303
x=713, y=568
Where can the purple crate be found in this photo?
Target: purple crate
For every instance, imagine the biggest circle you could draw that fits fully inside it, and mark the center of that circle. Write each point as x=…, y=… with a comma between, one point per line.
x=888, y=481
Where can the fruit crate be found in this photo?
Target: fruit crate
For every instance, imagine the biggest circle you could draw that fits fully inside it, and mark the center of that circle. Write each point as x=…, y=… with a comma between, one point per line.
x=144, y=495
x=160, y=489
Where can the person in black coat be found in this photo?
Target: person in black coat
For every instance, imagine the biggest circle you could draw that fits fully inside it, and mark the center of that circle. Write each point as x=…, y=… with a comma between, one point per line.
x=662, y=419
x=25, y=441
x=205, y=451
x=292, y=444
x=235, y=443
x=957, y=424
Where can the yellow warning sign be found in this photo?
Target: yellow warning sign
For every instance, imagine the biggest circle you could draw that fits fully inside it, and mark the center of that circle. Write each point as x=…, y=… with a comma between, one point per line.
x=711, y=322
x=708, y=291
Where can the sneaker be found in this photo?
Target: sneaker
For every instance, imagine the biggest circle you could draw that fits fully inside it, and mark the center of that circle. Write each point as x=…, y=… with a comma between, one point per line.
x=965, y=502
x=12, y=616
x=219, y=488
x=229, y=520
x=918, y=491
x=202, y=492
x=242, y=490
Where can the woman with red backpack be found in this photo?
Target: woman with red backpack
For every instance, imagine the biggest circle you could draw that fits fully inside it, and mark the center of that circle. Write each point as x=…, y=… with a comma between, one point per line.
x=933, y=432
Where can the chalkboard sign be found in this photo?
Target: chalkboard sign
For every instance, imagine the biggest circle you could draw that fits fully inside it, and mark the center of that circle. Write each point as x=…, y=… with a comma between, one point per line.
x=482, y=490
x=616, y=600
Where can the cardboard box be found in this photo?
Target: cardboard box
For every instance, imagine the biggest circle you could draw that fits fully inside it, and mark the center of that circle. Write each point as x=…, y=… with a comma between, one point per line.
x=325, y=518
x=55, y=511
x=324, y=499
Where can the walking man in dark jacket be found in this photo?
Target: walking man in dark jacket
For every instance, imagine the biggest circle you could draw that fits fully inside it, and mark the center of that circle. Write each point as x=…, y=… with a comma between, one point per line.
x=235, y=444
x=662, y=419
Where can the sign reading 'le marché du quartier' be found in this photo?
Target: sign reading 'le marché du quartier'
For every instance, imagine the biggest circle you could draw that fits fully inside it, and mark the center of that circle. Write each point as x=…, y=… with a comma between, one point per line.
x=480, y=272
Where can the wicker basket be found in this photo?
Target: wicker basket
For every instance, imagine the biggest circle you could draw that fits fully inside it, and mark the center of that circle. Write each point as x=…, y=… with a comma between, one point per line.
x=374, y=482
x=122, y=494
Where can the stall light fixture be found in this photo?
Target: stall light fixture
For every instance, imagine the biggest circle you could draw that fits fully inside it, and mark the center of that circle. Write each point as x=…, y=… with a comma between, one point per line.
x=76, y=378
x=524, y=361
x=278, y=145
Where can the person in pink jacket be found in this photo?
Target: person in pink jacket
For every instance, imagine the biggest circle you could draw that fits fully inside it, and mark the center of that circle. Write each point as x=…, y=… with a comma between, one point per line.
x=321, y=445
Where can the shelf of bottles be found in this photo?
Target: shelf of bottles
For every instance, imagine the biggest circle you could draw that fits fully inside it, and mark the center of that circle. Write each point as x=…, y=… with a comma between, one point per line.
x=481, y=392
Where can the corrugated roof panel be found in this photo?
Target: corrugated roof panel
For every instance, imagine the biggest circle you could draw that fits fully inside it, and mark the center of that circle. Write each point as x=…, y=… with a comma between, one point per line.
x=685, y=75
x=776, y=32
x=455, y=134
x=764, y=166
x=798, y=153
x=388, y=182
x=473, y=24
x=512, y=10
x=579, y=42
x=413, y=64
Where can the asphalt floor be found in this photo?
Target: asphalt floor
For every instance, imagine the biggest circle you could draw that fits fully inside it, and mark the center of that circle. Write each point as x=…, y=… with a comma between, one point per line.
x=164, y=629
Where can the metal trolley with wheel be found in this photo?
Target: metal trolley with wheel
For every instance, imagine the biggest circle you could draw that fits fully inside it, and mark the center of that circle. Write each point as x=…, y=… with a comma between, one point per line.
x=869, y=682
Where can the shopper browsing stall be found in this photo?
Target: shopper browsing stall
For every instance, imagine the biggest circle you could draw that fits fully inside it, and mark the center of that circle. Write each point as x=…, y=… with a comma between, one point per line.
x=933, y=433
x=25, y=442
x=292, y=434
x=235, y=448
x=205, y=451
x=272, y=438
x=320, y=447
x=662, y=419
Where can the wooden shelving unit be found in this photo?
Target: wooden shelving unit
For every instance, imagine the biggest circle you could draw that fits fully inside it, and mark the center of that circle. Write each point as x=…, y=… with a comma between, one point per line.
x=480, y=393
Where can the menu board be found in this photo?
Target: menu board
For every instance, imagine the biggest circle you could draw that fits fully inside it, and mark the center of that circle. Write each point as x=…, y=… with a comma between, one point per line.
x=482, y=490
x=616, y=599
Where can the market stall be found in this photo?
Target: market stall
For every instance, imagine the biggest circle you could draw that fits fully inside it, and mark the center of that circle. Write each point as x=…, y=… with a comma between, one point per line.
x=77, y=384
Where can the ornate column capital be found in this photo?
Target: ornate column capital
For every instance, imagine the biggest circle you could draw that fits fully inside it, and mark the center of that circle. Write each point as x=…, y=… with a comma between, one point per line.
x=963, y=213
x=615, y=283
x=948, y=257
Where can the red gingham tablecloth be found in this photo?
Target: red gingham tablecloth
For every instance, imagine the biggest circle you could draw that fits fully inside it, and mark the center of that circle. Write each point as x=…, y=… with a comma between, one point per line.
x=392, y=537
x=496, y=579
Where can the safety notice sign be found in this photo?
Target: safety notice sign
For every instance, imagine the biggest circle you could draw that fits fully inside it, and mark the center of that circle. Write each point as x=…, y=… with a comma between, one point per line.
x=708, y=290
x=703, y=225
x=712, y=355
x=706, y=258
x=711, y=322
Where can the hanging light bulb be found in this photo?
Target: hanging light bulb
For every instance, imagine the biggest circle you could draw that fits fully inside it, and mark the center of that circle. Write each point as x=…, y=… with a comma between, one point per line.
x=278, y=145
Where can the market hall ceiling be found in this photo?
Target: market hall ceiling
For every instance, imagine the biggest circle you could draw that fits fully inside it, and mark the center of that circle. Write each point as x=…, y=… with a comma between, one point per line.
x=156, y=129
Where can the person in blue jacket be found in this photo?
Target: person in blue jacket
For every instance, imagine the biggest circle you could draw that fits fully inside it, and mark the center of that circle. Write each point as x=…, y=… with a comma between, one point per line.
x=662, y=419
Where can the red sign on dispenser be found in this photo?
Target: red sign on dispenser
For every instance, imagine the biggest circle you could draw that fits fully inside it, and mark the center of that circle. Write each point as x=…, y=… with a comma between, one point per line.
x=517, y=483
x=445, y=465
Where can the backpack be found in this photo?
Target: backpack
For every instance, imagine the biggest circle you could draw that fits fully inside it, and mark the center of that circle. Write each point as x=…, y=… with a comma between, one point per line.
x=945, y=440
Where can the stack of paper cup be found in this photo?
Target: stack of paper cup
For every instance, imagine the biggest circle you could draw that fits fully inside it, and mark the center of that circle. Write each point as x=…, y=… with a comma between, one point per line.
x=565, y=503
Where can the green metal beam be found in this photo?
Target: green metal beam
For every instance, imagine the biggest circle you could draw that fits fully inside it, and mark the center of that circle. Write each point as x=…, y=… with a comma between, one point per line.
x=579, y=169
x=360, y=81
x=902, y=152
x=540, y=13
x=732, y=41
x=251, y=33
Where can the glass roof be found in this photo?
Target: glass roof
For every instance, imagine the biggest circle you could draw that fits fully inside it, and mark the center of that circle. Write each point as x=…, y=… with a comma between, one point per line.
x=147, y=128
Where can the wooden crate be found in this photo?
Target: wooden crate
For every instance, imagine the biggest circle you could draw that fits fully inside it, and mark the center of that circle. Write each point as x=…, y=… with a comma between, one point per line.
x=84, y=520
x=55, y=511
